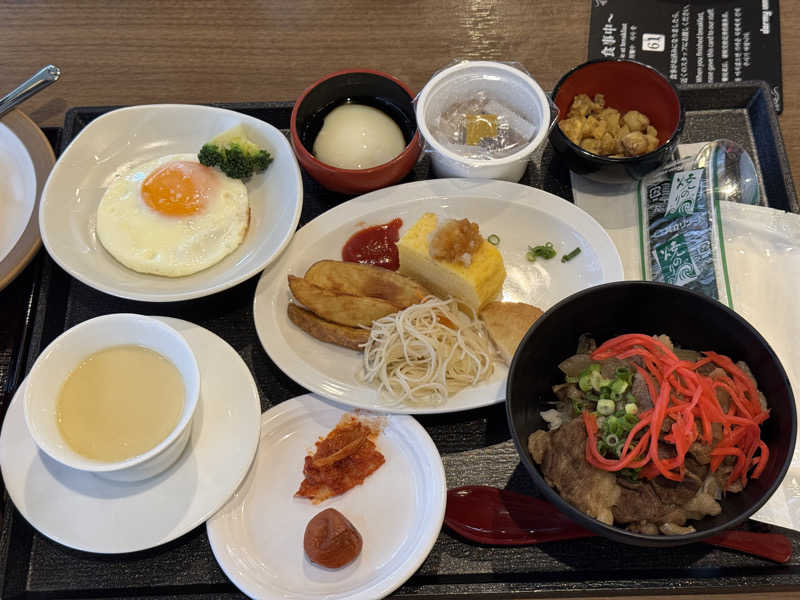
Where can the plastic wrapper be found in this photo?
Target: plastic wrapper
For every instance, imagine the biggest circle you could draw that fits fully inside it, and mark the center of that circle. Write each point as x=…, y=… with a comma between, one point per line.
x=680, y=229
x=478, y=117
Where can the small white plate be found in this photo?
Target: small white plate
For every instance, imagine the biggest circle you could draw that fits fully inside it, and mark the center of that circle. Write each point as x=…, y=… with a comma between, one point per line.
x=257, y=538
x=26, y=158
x=83, y=511
x=121, y=139
x=519, y=215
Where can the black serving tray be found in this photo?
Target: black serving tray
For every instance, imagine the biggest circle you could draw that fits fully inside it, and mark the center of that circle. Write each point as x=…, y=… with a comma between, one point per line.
x=475, y=445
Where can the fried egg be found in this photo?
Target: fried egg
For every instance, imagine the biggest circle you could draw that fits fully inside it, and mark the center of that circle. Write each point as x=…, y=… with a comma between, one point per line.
x=172, y=216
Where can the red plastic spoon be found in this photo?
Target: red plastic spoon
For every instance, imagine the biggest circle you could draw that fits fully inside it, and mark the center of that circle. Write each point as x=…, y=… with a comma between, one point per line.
x=489, y=515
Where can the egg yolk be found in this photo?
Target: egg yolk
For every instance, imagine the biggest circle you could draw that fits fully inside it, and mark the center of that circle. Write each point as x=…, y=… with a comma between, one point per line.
x=179, y=188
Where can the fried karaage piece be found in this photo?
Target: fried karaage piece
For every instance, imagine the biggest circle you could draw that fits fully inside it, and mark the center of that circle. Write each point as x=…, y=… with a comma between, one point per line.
x=602, y=130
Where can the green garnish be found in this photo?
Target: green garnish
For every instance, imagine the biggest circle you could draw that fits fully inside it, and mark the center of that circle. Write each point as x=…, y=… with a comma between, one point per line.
x=235, y=154
x=606, y=407
x=493, y=240
x=568, y=257
x=615, y=406
x=546, y=251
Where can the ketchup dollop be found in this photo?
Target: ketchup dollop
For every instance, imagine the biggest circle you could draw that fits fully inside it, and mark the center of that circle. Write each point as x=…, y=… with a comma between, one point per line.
x=375, y=245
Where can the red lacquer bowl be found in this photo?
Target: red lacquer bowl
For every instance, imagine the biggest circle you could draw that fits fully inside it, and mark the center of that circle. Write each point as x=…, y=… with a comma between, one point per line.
x=626, y=85
x=372, y=88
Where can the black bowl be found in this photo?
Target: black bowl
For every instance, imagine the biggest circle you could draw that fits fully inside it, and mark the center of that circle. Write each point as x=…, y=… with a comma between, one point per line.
x=692, y=321
x=626, y=85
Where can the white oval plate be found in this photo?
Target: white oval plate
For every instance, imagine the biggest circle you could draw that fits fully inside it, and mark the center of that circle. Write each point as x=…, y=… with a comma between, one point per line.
x=118, y=140
x=85, y=512
x=257, y=538
x=36, y=154
x=519, y=215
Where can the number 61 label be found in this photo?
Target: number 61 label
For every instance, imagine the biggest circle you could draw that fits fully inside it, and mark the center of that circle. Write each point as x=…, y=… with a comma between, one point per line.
x=653, y=42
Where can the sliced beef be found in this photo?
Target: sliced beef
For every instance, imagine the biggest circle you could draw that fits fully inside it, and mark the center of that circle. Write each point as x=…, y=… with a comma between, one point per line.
x=643, y=505
x=575, y=365
x=586, y=344
x=637, y=502
x=687, y=355
x=701, y=452
x=641, y=392
x=700, y=505
x=676, y=493
x=609, y=366
x=563, y=462
x=567, y=392
x=696, y=468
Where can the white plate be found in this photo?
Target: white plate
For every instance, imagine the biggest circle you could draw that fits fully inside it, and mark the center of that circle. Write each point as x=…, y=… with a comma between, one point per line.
x=86, y=512
x=17, y=189
x=257, y=537
x=518, y=214
x=120, y=139
x=26, y=158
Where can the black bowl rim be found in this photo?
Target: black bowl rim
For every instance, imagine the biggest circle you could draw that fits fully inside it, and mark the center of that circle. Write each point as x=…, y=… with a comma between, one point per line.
x=617, y=533
x=627, y=159
x=413, y=146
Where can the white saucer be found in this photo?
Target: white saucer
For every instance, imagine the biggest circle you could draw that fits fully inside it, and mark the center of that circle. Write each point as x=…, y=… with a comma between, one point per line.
x=257, y=538
x=85, y=512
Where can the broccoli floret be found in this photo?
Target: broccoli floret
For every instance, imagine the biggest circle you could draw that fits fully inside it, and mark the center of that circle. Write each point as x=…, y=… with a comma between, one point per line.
x=211, y=155
x=235, y=159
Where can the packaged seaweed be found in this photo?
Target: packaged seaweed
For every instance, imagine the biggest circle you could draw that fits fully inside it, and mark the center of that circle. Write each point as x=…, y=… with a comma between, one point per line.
x=680, y=230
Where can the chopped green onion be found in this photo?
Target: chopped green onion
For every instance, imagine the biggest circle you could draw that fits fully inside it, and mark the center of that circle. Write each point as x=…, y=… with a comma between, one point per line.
x=568, y=257
x=598, y=382
x=546, y=251
x=619, y=386
x=631, y=408
x=585, y=383
x=630, y=474
x=605, y=407
x=611, y=440
x=571, y=379
x=493, y=240
x=630, y=397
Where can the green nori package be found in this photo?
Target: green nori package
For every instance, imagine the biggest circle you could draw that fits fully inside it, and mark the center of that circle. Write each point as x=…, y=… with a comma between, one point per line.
x=680, y=233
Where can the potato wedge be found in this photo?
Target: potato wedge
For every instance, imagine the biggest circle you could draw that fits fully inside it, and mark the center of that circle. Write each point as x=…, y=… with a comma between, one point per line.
x=358, y=279
x=333, y=333
x=339, y=308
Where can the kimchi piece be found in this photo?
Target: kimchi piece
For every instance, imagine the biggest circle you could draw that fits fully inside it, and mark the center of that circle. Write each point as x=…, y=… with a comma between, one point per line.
x=342, y=460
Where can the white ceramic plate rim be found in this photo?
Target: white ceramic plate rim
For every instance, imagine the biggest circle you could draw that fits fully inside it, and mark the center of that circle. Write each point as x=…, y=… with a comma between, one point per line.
x=273, y=281
x=246, y=444
x=16, y=209
x=222, y=545
x=43, y=157
x=200, y=290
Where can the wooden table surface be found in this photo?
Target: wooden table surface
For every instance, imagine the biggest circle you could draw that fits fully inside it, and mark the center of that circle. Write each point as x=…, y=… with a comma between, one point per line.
x=201, y=51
